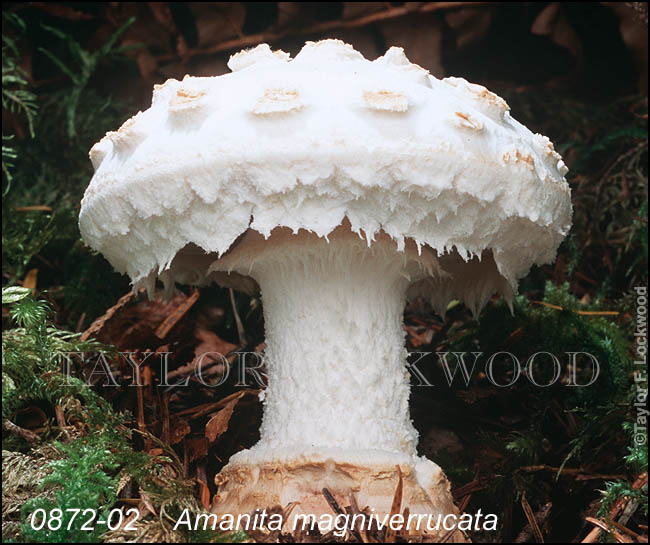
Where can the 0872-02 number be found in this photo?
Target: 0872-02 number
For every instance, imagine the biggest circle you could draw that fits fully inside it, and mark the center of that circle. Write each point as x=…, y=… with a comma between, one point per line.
x=53, y=519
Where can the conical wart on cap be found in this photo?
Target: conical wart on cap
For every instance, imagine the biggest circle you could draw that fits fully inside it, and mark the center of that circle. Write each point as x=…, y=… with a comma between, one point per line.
x=309, y=142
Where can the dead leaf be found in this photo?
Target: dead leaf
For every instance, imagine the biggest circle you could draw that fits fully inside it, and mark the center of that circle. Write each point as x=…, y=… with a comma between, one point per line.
x=217, y=21
x=421, y=36
x=634, y=31
x=145, y=504
x=65, y=12
x=32, y=418
x=291, y=13
x=218, y=424
x=210, y=343
x=553, y=22
x=197, y=447
x=179, y=429
x=147, y=63
x=163, y=14
x=30, y=279
x=131, y=518
x=181, y=47
x=471, y=24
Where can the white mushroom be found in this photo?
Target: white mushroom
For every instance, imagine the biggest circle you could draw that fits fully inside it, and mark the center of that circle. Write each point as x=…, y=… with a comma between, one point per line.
x=337, y=186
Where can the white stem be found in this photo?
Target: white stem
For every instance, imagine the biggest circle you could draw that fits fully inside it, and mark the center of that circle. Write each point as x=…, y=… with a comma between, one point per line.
x=335, y=350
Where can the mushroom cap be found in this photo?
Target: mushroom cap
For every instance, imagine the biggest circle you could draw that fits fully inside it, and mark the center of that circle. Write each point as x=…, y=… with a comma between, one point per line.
x=310, y=142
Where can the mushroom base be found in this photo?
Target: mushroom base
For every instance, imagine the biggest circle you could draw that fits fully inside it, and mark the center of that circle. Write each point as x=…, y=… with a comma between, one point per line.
x=245, y=488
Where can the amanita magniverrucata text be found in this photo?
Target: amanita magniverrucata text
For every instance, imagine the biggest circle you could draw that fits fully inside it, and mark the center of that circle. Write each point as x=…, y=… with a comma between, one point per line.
x=338, y=187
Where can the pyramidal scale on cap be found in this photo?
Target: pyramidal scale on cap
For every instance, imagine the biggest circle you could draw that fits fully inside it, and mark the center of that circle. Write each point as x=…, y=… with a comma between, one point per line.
x=338, y=187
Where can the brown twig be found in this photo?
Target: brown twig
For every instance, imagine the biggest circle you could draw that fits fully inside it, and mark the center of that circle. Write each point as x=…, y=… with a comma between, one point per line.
x=629, y=532
x=464, y=502
x=98, y=324
x=528, y=532
x=448, y=535
x=640, y=481
x=603, y=526
x=206, y=408
x=27, y=435
x=396, y=507
x=581, y=312
x=164, y=416
x=60, y=416
x=361, y=531
x=319, y=28
x=629, y=153
x=66, y=12
x=142, y=426
x=206, y=370
x=581, y=474
x=186, y=460
x=180, y=311
x=80, y=322
x=332, y=502
x=469, y=488
x=532, y=520
x=34, y=208
x=240, y=326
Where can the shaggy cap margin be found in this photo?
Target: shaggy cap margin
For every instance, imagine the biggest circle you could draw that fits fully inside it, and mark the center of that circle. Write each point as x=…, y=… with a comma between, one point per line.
x=310, y=142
